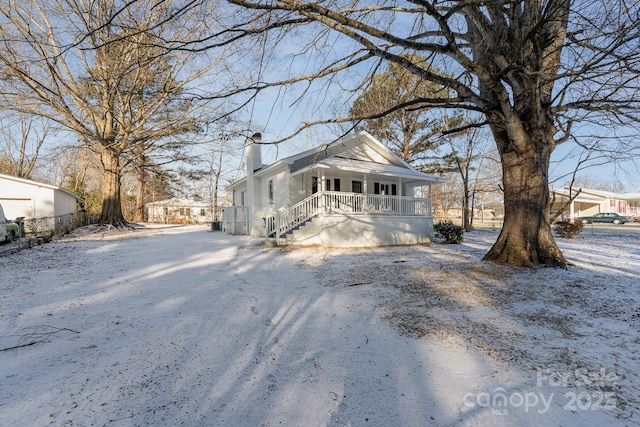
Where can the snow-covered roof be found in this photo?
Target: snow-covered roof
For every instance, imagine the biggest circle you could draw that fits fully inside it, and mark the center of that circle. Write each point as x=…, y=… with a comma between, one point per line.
x=178, y=202
x=590, y=195
x=365, y=154
x=37, y=184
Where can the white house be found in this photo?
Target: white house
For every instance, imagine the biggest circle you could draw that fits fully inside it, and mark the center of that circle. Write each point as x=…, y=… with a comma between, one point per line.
x=30, y=199
x=590, y=202
x=354, y=192
x=179, y=211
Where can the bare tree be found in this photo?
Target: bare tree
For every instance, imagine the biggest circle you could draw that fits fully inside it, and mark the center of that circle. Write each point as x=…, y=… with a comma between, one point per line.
x=76, y=169
x=217, y=167
x=23, y=136
x=446, y=196
x=465, y=156
x=532, y=68
x=109, y=75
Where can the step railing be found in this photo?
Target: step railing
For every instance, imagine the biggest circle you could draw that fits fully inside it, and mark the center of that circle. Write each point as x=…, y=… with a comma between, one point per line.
x=344, y=203
x=294, y=216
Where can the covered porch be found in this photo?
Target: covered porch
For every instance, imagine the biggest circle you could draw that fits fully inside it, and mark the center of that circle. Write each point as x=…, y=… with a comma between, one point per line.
x=342, y=175
x=346, y=219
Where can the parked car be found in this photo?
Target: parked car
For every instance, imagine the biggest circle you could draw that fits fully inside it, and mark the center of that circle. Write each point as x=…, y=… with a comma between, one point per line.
x=612, y=218
x=8, y=229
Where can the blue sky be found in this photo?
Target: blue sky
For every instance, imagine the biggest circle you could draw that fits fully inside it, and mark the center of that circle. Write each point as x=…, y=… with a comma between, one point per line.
x=276, y=122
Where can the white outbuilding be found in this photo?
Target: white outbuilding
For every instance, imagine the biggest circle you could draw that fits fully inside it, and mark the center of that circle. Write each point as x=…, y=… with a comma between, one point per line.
x=34, y=200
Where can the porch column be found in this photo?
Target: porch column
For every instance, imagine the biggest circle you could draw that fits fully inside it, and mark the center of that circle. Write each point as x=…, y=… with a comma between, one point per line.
x=322, y=187
x=364, y=185
x=572, y=209
x=430, y=213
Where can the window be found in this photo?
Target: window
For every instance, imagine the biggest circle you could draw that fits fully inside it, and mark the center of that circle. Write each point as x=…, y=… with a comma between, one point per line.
x=385, y=189
x=203, y=212
x=314, y=184
x=271, y=192
x=336, y=184
x=328, y=185
x=242, y=198
x=356, y=186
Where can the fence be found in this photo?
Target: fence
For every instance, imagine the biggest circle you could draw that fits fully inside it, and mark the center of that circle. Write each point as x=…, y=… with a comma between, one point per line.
x=234, y=219
x=61, y=224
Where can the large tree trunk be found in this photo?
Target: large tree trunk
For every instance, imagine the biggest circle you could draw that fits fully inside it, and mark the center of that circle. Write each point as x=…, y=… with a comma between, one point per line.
x=526, y=239
x=141, y=187
x=466, y=209
x=215, y=195
x=140, y=196
x=111, y=203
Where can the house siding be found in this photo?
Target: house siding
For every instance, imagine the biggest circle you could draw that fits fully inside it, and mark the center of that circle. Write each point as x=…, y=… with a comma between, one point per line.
x=347, y=231
x=263, y=208
x=33, y=200
x=180, y=211
x=64, y=203
x=353, y=150
x=296, y=189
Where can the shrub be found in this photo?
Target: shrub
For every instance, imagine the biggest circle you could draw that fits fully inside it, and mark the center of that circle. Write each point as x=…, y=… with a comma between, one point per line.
x=449, y=232
x=568, y=229
x=47, y=236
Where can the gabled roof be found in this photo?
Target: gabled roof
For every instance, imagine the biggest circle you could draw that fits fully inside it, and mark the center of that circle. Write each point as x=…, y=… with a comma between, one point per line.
x=589, y=195
x=359, y=152
x=178, y=202
x=37, y=184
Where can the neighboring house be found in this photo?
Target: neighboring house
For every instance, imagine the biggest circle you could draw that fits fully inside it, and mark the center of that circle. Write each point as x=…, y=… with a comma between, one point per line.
x=478, y=214
x=590, y=202
x=44, y=207
x=354, y=192
x=180, y=211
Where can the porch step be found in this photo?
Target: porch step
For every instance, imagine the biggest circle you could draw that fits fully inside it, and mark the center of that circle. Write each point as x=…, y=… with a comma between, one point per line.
x=299, y=226
x=297, y=229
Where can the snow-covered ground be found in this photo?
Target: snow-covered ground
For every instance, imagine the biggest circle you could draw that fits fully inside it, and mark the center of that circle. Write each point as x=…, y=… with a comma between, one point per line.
x=182, y=326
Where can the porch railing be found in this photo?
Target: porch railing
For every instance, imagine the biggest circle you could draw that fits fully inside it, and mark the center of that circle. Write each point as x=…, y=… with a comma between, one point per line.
x=344, y=203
